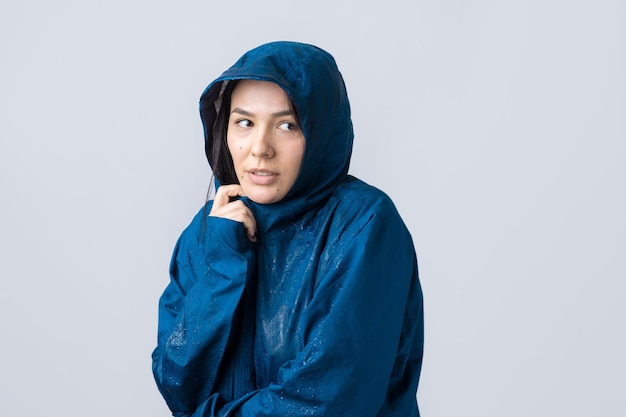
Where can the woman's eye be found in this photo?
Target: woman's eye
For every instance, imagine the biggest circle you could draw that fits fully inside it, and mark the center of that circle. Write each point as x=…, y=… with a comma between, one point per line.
x=287, y=126
x=243, y=123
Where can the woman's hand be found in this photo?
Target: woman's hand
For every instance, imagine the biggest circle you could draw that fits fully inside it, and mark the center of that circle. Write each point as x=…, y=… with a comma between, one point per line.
x=234, y=210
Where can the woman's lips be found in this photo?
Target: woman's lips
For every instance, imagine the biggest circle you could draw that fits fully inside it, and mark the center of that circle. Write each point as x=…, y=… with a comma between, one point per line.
x=262, y=176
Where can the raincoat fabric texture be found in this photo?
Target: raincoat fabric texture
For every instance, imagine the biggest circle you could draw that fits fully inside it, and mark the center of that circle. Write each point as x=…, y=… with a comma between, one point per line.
x=322, y=315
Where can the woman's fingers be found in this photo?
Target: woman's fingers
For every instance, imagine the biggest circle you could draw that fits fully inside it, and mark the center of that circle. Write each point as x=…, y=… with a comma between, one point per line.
x=234, y=210
x=238, y=212
x=225, y=193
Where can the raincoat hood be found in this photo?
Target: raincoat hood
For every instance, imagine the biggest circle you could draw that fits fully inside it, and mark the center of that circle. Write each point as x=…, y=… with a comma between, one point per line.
x=312, y=81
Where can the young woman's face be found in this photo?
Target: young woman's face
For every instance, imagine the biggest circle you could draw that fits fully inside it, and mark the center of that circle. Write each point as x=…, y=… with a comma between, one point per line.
x=264, y=140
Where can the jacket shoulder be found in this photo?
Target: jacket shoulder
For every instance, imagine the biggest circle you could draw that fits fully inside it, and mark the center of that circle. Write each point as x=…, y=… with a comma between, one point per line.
x=355, y=204
x=357, y=196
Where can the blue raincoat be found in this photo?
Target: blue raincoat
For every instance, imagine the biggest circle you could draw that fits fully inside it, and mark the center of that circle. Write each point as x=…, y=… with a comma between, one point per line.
x=322, y=316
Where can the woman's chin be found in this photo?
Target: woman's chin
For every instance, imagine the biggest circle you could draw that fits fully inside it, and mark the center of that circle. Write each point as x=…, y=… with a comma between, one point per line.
x=264, y=196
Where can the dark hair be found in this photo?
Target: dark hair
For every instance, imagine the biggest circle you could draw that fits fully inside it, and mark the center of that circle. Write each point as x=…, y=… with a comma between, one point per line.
x=222, y=162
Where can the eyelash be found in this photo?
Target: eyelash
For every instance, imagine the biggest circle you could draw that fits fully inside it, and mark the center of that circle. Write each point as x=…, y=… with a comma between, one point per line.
x=291, y=126
x=238, y=123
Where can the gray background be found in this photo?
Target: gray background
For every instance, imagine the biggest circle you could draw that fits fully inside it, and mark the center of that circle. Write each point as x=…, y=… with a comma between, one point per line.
x=498, y=128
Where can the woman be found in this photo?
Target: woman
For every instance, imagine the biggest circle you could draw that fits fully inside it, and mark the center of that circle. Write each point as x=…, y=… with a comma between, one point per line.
x=295, y=291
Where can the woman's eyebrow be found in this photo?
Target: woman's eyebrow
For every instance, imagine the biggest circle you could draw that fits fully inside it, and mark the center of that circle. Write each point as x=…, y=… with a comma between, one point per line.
x=282, y=113
x=241, y=111
x=287, y=112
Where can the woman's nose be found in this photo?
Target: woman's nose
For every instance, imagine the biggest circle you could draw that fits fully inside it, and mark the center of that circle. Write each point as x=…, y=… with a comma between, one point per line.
x=262, y=144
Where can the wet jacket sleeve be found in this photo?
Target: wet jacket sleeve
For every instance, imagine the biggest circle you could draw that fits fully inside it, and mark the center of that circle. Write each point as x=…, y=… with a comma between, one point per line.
x=362, y=349
x=197, y=309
